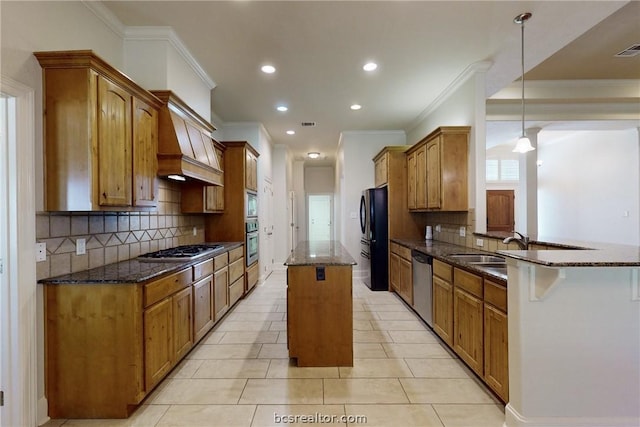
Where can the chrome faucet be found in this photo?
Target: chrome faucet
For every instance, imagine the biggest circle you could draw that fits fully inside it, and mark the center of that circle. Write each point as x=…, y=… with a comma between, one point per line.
x=522, y=241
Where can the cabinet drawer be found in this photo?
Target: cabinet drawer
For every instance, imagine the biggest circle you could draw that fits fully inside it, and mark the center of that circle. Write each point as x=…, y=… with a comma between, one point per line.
x=202, y=269
x=442, y=270
x=235, y=254
x=495, y=295
x=236, y=270
x=220, y=261
x=467, y=281
x=393, y=247
x=403, y=251
x=235, y=291
x=252, y=275
x=162, y=288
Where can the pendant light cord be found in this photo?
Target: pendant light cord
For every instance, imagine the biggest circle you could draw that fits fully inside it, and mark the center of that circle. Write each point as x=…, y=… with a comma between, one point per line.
x=522, y=78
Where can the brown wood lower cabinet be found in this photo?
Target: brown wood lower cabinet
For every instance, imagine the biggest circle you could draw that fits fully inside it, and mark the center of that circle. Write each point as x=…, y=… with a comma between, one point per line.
x=443, y=309
x=203, y=315
x=158, y=345
x=252, y=275
x=470, y=315
x=400, y=272
x=496, y=343
x=109, y=345
x=467, y=329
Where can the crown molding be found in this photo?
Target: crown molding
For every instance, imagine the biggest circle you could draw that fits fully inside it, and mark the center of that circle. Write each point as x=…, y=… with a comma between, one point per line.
x=469, y=72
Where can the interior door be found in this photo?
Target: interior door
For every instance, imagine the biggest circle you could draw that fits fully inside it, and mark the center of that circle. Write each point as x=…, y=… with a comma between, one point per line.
x=320, y=217
x=500, y=213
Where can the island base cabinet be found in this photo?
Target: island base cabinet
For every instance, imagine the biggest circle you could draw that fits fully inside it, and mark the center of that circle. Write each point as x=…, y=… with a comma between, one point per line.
x=320, y=315
x=94, y=357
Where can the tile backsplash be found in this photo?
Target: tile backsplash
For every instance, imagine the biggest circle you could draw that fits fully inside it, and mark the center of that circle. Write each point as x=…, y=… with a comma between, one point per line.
x=114, y=236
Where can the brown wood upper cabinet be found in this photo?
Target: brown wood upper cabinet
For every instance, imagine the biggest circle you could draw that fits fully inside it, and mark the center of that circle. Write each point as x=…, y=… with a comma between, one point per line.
x=437, y=171
x=251, y=171
x=100, y=135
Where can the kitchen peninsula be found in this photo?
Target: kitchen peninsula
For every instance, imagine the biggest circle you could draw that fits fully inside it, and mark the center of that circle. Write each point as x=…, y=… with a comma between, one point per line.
x=574, y=336
x=320, y=304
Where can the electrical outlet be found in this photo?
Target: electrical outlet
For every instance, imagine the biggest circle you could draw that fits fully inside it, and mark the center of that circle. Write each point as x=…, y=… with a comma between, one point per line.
x=479, y=242
x=81, y=246
x=41, y=252
x=438, y=228
x=195, y=231
x=463, y=231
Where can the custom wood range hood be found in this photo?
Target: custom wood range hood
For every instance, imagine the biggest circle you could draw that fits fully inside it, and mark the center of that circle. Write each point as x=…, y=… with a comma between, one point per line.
x=186, y=150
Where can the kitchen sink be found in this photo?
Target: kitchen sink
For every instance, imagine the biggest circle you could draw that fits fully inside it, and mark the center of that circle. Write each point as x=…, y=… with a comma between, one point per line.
x=478, y=258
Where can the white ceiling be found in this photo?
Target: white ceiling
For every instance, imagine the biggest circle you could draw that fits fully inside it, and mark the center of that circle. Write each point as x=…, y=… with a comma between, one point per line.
x=319, y=49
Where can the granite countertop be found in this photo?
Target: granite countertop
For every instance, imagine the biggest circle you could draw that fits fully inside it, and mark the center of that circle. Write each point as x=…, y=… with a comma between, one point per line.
x=574, y=253
x=620, y=256
x=133, y=270
x=325, y=252
x=442, y=251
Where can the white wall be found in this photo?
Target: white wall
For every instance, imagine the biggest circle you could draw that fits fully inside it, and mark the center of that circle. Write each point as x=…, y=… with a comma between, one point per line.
x=319, y=179
x=463, y=104
x=587, y=181
x=282, y=181
x=355, y=174
x=156, y=58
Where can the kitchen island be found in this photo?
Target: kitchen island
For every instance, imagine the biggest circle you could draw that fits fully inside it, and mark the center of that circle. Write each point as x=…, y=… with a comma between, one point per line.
x=574, y=336
x=320, y=304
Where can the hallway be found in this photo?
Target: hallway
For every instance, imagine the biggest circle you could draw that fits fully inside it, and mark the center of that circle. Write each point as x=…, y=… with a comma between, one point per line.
x=240, y=374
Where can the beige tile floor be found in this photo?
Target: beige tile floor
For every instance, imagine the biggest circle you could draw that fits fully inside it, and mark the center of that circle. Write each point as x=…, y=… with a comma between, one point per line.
x=240, y=374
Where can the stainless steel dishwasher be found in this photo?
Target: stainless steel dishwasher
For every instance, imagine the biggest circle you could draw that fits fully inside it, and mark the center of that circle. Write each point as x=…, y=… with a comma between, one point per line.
x=422, y=266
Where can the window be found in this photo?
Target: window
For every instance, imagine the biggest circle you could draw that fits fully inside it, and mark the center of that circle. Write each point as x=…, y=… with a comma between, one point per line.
x=503, y=170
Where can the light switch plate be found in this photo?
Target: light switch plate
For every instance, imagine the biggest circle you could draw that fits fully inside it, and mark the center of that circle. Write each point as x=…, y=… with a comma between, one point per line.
x=479, y=242
x=463, y=232
x=438, y=228
x=195, y=231
x=41, y=252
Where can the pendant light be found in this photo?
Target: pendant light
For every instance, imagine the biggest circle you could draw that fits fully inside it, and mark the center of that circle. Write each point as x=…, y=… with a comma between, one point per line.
x=523, y=145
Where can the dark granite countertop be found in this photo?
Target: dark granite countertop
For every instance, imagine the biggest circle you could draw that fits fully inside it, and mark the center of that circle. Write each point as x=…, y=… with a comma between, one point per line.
x=442, y=251
x=132, y=271
x=325, y=252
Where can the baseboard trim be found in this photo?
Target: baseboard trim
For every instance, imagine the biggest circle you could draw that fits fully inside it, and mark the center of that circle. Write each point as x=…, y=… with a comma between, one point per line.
x=43, y=411
x=514, y=419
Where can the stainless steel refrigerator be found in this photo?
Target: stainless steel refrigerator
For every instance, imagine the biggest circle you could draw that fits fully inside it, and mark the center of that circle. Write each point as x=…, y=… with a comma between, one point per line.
x=374, y=243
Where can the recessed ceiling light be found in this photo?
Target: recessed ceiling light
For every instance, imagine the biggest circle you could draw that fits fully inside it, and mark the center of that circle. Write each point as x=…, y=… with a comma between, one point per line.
x=268, y=69
x=291, y=132
x=313, y=155
x=370, y=66
x=282, y=108
x=356, y=107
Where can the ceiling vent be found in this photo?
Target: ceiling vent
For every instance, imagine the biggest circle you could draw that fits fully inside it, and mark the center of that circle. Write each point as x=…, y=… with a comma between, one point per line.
x=632, y=50
x=308, y=124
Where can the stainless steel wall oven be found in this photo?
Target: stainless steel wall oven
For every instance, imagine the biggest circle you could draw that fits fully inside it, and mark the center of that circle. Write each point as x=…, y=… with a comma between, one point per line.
x=251, y=241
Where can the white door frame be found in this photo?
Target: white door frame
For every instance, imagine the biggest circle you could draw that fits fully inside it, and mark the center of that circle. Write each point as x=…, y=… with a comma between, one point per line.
x=18, y=299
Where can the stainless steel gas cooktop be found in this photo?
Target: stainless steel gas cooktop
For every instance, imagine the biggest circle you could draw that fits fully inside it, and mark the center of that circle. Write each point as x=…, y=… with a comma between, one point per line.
x=180, y=253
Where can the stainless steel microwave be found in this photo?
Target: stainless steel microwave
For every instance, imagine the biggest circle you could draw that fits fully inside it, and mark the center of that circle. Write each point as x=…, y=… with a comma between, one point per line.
x=251, y=205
